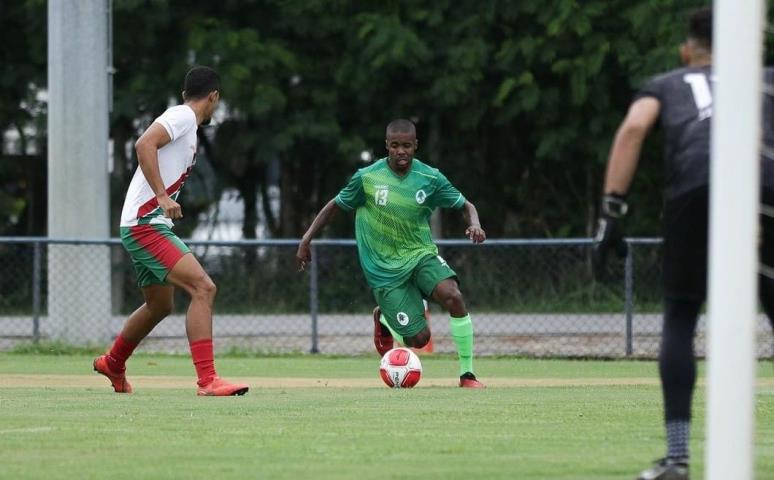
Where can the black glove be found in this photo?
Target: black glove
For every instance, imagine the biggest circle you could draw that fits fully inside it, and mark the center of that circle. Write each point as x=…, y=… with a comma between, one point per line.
x=608, y=234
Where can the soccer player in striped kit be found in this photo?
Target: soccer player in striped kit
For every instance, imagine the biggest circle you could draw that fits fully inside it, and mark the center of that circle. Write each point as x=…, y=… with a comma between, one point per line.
x=166, y=152
x=393, y=199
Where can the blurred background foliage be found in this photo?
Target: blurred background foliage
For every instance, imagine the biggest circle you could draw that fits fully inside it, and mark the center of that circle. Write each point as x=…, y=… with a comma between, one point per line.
x=516, y=102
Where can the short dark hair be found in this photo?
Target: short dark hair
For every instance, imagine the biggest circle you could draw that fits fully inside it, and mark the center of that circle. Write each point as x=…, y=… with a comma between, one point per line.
x=199, y=82
x=401, y=125
x=700, y=26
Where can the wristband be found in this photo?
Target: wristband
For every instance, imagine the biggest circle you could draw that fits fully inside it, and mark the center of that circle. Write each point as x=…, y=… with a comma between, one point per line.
x=614, y=205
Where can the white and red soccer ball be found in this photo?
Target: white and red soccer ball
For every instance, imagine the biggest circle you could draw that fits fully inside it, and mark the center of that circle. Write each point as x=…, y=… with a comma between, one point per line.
x=400, y=368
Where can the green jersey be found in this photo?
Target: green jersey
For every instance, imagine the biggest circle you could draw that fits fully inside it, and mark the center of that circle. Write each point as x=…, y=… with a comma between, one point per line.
x=392, y=217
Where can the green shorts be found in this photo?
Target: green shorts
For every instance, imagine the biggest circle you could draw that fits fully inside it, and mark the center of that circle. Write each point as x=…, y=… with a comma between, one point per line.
x=402, y=304
x=154, y=250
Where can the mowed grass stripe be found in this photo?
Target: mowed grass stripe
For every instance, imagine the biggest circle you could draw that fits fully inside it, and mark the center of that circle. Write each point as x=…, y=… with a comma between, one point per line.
x=158, y=381
x=323, y=366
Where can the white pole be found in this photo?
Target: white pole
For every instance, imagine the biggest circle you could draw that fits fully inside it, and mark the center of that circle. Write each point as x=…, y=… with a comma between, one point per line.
x=78, y=192
x=733, y=258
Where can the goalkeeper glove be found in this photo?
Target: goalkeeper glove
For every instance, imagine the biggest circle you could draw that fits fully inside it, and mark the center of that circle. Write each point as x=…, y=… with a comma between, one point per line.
x=608, y=235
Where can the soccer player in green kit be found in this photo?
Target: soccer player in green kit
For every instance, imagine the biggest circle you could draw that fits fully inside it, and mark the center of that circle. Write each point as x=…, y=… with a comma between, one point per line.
x=393, y=199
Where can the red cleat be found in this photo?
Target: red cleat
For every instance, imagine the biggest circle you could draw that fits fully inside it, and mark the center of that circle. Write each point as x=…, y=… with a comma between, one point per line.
x=221, y=388
x=118, y=380
x=468, y=380
x=382, y=336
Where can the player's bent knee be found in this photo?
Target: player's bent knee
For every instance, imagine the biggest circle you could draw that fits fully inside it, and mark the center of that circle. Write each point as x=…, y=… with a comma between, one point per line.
x=454, y=300
x=419, y=340
x=204, y=287
x=212, y=289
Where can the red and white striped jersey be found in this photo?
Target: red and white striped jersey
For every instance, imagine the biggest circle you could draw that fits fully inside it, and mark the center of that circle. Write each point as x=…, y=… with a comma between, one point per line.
x=175, y=162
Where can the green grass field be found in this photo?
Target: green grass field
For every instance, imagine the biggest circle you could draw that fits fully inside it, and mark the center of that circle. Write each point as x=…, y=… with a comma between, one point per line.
x=540, y=419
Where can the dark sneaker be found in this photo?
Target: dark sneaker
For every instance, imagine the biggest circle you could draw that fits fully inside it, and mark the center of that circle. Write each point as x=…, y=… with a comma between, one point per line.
x=382, y=336
x=468, y=380
x=666, y=469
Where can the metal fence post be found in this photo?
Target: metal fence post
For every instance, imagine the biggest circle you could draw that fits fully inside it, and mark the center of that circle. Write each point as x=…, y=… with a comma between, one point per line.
x=36, y=249
x=629, y=295
x=314, y=299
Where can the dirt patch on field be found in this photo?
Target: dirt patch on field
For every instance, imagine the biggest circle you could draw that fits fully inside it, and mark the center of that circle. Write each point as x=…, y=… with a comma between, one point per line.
x=96, y=381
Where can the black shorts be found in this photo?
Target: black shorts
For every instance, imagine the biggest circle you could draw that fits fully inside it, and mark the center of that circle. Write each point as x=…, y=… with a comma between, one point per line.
x=685, y=243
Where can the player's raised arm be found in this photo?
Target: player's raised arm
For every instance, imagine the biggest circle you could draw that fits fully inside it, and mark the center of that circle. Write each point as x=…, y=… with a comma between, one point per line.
x=474, y=231
x=304, y=253
x=147, y=147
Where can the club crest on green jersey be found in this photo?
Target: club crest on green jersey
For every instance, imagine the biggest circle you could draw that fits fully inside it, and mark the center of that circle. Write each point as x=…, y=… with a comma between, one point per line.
x=421, y=196
x=403, y=318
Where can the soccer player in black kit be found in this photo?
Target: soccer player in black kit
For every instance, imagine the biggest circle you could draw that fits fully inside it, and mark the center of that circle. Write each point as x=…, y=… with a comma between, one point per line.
x=680, y=101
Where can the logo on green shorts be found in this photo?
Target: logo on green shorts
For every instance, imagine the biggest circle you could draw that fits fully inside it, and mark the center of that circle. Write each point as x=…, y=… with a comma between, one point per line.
x=403, y=318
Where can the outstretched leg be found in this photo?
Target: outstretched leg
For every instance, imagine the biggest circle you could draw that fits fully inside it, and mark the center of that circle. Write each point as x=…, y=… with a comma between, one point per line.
x=158, y=304
x=448, y=295
x=677, y=368
x=189, y=275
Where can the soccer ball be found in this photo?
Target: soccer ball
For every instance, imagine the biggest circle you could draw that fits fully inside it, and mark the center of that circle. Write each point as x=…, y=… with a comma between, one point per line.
x=400, y=368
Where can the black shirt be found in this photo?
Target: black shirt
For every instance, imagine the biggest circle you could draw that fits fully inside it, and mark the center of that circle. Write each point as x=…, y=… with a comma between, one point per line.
x=685, y=95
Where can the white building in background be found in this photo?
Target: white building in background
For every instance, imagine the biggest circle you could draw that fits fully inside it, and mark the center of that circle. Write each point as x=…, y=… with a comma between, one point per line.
x=12, y=141
x=35, y=106
x=223, y=220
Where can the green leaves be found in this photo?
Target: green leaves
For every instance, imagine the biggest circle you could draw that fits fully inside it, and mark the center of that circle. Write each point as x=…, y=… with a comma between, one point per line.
x=517, y=102
x=510, y=89
x=388, y=43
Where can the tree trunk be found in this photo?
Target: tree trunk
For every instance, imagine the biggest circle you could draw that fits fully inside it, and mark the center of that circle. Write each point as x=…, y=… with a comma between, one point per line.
x=271, y=221
x=290, y=211
x=248, y=189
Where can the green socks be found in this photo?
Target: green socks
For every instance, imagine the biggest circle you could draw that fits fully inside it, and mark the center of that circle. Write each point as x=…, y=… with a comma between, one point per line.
x=462, y=334
x=395, y=335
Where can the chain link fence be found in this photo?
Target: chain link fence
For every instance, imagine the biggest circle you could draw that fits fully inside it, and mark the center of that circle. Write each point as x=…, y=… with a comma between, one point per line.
x=526, y=297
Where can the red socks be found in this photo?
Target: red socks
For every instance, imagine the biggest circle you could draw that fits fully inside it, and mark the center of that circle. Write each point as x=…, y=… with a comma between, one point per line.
x=120, y=351
x=201, y=352
x=203, y=360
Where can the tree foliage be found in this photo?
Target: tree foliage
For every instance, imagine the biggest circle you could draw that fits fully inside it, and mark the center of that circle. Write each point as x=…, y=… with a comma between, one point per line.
x=516, y=102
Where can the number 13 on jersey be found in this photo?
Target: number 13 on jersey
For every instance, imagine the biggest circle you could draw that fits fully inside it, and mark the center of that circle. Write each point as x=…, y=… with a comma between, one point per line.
x=380, y=196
